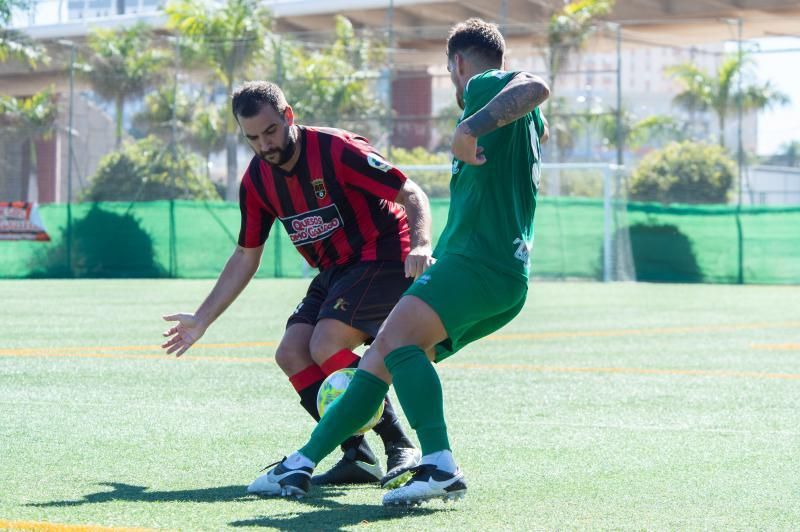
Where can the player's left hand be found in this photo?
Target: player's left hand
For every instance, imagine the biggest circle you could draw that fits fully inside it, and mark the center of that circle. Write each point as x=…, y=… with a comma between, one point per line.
x=465, y=147
x=418, y=260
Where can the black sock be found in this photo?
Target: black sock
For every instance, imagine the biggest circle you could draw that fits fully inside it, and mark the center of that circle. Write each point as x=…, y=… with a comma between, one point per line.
x=389, y=428
x=308, y=398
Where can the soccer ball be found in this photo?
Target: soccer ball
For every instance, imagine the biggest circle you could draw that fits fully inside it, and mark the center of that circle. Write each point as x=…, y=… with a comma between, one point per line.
x=333, y=386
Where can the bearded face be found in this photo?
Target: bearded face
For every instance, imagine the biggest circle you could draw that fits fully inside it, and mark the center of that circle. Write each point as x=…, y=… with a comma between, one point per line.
x=270, y=135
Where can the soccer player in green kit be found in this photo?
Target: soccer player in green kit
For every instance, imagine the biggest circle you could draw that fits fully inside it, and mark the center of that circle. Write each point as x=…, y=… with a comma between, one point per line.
x=478, y=284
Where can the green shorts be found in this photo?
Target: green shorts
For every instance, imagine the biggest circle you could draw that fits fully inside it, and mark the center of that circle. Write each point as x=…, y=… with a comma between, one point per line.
x=472, y=299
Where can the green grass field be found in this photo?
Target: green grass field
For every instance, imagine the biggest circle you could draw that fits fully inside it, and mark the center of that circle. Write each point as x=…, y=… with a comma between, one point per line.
x=628, y=406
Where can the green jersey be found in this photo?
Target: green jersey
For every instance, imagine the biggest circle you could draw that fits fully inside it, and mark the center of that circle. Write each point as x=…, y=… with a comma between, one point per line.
x=492, y=205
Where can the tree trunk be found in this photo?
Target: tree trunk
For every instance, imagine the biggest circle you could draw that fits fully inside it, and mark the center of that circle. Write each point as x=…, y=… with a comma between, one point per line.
x=722, y=130
x=554, y=175
x=25, y=172
x=33, y=177
x=230, y=148
x=119, y=109
x=231, y=192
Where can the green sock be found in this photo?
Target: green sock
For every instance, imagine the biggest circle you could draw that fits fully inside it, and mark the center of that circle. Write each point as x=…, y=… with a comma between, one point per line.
x=349, y=413
x=420, y=393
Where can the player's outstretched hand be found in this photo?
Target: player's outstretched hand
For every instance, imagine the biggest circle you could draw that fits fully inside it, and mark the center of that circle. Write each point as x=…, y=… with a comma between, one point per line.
x=182, y=335
x=418, y=260
x=465, y=147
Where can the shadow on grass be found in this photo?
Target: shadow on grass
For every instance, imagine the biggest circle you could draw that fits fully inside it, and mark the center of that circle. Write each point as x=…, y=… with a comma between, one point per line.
x=320, y=510
x=104, y=244
x=129, y=492
x=328, y=514
x=332, y=515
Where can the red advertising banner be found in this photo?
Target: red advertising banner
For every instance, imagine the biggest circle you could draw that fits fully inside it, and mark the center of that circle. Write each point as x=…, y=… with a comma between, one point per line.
x=20, y=220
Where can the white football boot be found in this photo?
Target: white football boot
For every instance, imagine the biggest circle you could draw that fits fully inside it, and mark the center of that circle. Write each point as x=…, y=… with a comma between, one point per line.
x=428, y=482
x=282, y=481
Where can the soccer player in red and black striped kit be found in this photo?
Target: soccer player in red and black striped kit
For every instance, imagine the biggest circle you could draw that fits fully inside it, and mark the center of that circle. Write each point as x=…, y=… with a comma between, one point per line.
x=353, y=216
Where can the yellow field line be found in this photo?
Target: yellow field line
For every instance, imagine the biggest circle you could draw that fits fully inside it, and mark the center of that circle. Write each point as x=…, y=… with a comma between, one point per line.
x=777, y=347
x=637, y=332
x=470, y=365
x=124, y=356
x=40, y=526
x=62, y=351
x=635, y=371
x=35, y=350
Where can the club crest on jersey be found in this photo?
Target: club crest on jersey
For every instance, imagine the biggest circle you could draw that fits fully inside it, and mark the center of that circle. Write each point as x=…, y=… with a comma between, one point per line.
x=376, y=161
x=319, y=188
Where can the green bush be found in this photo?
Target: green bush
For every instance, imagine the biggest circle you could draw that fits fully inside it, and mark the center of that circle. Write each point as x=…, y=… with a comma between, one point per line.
x=148, y=170
x=435, y=183
x=684, y=172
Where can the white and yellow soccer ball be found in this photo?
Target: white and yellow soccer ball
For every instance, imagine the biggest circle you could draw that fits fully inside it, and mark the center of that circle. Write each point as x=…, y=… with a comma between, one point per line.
x=333, y=387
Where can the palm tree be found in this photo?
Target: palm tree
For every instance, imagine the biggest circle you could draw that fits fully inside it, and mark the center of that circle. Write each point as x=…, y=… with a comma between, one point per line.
x=29, y=119
x=207, y=132
x=333, y=85
x=636, y=132
x=195, y=121
x=7, y=6
x=228, y=38
x=719, y=92
x=15, y=43
x=160, y=116
x=123, y=64
x=788, y=154
x=568, y=30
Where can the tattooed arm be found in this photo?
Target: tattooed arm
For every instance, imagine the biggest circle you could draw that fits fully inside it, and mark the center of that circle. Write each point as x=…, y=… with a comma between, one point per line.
x=519, y=97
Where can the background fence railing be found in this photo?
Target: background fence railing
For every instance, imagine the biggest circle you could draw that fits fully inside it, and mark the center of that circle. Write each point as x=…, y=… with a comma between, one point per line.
x=605, y=237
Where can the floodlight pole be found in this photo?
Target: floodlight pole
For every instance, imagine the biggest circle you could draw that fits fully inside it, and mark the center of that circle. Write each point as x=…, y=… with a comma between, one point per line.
x=739, y=151
x=607, y=227
x=390, y=89
x=620, y=148
x=68, y=238
x=173, y=254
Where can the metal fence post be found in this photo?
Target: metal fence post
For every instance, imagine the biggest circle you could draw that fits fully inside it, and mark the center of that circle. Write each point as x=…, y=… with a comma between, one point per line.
x=607, y=225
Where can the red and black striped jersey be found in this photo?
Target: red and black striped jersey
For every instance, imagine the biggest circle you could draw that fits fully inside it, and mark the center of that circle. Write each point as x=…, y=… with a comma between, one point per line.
x=337, y=203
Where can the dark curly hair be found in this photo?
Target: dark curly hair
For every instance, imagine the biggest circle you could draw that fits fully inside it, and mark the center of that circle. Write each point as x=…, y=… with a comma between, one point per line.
x=248, y=99
x=478, y=38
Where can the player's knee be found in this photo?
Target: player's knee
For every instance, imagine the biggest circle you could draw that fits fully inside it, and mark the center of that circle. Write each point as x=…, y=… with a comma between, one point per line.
x=385, y=344
x=322, y=348
x=373, y=362
x=291, y=360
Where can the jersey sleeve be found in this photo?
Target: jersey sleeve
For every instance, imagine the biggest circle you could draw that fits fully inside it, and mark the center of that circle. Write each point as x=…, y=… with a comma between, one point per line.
x=483, y=87
x=361, y=166
x=257, y=220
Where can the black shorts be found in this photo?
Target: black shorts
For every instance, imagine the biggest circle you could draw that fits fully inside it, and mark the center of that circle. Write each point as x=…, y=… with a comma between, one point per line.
x=360, y=295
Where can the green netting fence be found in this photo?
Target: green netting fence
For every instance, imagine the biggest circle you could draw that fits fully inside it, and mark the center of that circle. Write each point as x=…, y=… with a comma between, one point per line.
x=191, y=239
